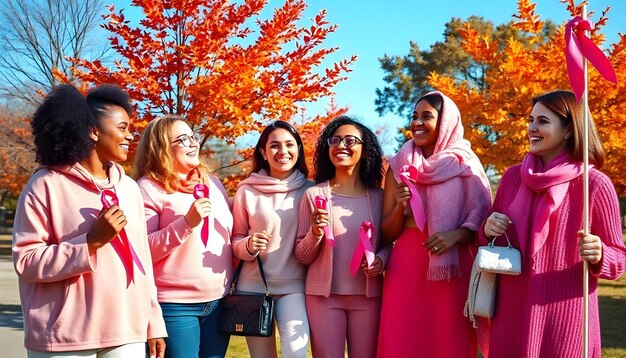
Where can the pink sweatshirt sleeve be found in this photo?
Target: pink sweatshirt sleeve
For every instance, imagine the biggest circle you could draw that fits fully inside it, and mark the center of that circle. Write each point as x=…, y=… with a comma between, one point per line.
x=241, y=226
x=37, y=256
x=307, y=246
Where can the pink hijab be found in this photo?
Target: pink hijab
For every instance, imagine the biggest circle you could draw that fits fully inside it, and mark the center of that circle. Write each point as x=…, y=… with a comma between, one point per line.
x=452, y=184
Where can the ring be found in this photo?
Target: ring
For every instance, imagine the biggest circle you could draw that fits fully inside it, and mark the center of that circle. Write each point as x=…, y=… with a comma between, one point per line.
x=436, y=248
x=317, y=221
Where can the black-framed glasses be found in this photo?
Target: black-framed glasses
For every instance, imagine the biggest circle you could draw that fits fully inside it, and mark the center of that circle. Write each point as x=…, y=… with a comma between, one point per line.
x=185, y=139
x=349, y=141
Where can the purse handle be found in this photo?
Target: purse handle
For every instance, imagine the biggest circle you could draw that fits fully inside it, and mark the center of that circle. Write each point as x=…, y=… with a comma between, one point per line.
x=238, y=271
x=491, y=243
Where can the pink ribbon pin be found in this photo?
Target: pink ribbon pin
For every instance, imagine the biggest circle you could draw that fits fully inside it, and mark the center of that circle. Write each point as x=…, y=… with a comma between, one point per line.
x=202, y=191
x=363, y=247
x=321, y=202
x=577, y=47
x=122, y=245
x=408, y=172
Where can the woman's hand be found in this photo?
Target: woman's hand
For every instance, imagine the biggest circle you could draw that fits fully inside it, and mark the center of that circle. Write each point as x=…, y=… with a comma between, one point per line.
x=199, y=209
x=496, y=225
x=257, y=242
x=441, y=241
x=589, y=247
x=376, y=269
x=157, y=347
x=108, y=225
x=402, y=194
x=319, y=219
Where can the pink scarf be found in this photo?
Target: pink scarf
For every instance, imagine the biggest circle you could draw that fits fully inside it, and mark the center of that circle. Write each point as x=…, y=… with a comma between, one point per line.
x=443, y=181
x=544, y=187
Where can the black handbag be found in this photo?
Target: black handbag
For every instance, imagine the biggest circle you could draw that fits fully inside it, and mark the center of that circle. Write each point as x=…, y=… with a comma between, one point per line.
x=247, y=314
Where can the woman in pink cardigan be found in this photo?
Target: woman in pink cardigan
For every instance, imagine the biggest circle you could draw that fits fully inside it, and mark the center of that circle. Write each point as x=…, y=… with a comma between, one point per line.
x=189, y=228
x=79, y=238
x=265, y=212
x=436, y=197
x=539, y=206
x=338, y=238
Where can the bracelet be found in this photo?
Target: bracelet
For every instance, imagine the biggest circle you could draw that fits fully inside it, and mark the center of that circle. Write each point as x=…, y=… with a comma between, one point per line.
x=247, y=249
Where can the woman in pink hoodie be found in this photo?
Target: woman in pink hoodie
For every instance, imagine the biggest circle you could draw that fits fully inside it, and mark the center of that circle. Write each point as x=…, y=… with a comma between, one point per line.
x=79, y=238
x=189, y=229
x=338, y=238
x=265, y=210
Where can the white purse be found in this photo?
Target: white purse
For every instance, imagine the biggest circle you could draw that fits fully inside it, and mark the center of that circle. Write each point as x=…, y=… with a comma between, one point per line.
x=506, y=260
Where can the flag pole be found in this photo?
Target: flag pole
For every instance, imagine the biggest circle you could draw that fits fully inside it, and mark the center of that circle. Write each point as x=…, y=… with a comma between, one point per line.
x=585, y=105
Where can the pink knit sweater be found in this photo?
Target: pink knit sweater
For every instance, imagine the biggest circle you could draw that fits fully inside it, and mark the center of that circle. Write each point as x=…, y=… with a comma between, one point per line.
x=539, y=313
x=314, y=252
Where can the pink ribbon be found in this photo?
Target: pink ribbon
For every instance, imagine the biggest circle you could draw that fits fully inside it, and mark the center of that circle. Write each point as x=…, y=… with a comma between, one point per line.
x=408, y=172
x=363, y=247
x=321, y=202
x=578, y=47
x=123, y=247
x=202, y=191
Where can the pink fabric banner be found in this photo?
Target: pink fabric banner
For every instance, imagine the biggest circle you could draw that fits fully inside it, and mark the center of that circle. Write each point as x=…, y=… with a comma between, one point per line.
x=363, y=247
x=321, y=202
x=122, y=245
x=578, y=47
x=408, y=173
x=202, y=191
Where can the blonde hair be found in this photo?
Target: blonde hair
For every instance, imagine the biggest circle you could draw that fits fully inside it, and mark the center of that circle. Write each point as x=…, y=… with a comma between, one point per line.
x=153, y=158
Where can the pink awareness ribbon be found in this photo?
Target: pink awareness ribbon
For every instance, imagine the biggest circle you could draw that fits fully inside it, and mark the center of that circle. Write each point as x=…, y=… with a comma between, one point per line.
x=122, y=246
x=577, y=47
x=408, y=172
x=321, y=202
x=202, y=191
x=363, y=247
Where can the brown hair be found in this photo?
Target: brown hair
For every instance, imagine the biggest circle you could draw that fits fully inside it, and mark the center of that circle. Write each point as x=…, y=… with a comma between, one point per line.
x=154, y=155
x=564, y=105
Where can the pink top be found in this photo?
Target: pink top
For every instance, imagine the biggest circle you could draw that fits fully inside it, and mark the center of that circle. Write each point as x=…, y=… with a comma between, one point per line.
x=185, y=271
x=71, y=300
x=315, y=252
x=539, y=313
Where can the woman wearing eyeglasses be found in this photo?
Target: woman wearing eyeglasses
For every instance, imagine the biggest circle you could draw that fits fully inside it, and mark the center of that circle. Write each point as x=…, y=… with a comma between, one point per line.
x=189, y=226
x=343, y=290
x=433, y=231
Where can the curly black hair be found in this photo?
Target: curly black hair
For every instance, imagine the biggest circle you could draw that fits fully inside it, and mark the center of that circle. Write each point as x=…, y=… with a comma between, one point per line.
x=259, y=163
x=371, y=169
x=62, y=124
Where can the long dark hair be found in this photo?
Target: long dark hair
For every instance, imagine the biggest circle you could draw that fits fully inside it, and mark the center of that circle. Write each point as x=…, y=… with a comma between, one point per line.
x=259, y=163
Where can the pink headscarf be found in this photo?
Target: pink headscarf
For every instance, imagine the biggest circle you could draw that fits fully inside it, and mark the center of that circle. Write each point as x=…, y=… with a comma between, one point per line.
x=452, y=184
x=548, y=186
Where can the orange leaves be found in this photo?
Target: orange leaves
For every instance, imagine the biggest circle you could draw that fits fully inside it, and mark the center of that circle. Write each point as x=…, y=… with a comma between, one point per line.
x=528, y=21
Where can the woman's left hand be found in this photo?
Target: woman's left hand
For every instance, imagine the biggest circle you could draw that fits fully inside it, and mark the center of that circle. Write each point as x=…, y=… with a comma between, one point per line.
x=375, y=270
x=441, y=241
x=157, y=347
x=589, y=247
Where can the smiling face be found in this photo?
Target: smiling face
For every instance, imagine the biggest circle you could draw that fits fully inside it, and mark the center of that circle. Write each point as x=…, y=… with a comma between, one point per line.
x=185, y=157
x=113, y=135
x=342, y=156
x=281, y=153
x=546, y=133
x=424, y=127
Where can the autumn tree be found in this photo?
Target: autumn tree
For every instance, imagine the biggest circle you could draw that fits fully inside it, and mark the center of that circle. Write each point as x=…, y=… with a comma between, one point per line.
x=17, y=153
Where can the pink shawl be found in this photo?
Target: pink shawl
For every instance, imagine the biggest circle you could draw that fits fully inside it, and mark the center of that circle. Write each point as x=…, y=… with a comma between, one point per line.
x=452, y=184
x=544, y=187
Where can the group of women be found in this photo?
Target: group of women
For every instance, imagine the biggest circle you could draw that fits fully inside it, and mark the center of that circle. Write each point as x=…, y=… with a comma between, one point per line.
x=106, y=264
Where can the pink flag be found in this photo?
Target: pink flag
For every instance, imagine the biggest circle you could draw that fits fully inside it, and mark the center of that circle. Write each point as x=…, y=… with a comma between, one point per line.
x=321, y=202
x=202, y=191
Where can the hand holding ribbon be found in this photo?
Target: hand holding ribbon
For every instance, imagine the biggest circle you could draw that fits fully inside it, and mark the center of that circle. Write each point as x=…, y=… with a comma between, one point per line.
x=202, y=191
x=321, y=202
x=408, y=173
x=123, y=246
x=577, y=47
x=363, y=247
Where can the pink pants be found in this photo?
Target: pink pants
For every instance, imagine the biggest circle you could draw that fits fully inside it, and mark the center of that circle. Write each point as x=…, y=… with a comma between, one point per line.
x=338, y=318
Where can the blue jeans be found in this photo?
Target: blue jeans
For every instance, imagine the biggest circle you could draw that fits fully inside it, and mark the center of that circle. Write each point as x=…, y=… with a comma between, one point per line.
x=192, y=330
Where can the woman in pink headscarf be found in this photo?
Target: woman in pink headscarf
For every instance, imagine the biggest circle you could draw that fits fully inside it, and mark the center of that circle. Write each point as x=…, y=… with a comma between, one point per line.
x=539, y=206
x=436, y=197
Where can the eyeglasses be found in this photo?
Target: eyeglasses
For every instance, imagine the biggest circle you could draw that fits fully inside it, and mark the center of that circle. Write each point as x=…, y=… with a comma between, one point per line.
x=349, y=141
x=185, y=139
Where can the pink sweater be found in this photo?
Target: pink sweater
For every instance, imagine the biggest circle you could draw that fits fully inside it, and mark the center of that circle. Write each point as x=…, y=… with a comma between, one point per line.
x=316, y=253
x=266, y=203
x=184, y=270
x=71, y=300
x=539, y=313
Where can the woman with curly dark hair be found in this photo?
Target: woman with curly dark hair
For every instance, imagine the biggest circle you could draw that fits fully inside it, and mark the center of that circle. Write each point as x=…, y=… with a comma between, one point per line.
x=79, y=238
x=338, y=226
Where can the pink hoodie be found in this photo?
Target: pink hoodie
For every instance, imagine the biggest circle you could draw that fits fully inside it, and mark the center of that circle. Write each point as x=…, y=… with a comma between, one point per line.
x=71, y=300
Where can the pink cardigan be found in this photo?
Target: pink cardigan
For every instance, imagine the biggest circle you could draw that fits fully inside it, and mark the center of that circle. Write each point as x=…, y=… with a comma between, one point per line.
x=539, y=313
x=71, y=300
x=184, y=270
x=314, y=252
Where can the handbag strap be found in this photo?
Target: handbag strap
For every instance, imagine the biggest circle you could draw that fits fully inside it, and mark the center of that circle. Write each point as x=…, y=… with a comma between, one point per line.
x=233, y=286
x=492, y=242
